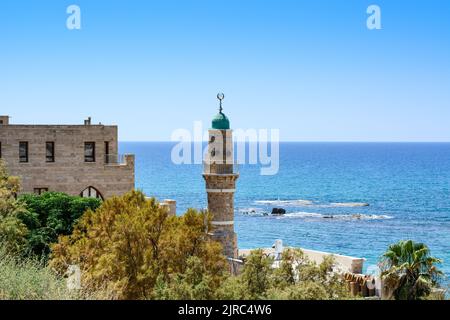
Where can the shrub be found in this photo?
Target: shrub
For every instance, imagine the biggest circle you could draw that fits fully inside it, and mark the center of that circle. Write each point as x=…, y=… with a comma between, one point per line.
x=295, y=278
x=12, y=231
x=28, y=278
x=194, y=284
x=50, y=215
x=130, y=244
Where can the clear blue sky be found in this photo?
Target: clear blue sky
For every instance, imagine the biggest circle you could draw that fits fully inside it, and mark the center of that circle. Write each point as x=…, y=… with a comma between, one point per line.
x=310, y=68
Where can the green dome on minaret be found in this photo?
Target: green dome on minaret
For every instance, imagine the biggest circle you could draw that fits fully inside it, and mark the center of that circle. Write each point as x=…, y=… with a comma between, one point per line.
x=220, y=121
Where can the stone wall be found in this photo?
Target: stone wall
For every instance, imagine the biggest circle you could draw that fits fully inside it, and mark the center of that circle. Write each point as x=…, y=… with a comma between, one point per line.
x=69, y=173
x=220, y=181
x=228, y=238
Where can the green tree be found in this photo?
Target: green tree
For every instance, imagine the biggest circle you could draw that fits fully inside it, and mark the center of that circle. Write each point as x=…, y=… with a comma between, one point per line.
x=50, y=215
x=257, y=274
x=196, y=283
x=130, y=244
x=302, y=279
x=295, y=277
x=12, y=231
x=287, y=272
x=409, y=270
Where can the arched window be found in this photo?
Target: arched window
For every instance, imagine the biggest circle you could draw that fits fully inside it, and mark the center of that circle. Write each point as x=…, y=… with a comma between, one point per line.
x=91, y=192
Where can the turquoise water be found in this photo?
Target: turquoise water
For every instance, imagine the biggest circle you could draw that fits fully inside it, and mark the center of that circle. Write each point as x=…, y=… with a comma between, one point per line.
x=407, y=187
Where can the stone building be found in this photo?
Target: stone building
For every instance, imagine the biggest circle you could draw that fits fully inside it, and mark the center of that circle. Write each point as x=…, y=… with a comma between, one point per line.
x=75, y=159
x=220, y=175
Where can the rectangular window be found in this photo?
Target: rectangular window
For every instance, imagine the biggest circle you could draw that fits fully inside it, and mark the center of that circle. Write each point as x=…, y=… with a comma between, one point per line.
x=23, y=151
x=40, y=190
x=107, y=152
x=89, y=152
x=50, y=151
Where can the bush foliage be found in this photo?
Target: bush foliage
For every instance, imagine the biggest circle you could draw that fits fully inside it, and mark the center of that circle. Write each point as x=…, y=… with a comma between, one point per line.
x=295, y=278
x=130, y=244
x=129, y=247
x=50, y=215
x=13, y=232
x=29, y=278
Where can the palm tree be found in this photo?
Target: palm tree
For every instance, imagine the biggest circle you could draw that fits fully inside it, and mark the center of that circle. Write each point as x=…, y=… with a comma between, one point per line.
x=409, y=270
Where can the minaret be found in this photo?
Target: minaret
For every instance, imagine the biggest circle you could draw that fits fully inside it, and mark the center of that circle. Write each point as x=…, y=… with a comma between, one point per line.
x=220, y=176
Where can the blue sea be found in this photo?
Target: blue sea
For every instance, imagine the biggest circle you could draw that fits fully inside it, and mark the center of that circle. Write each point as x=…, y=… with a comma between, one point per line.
x=323, y=186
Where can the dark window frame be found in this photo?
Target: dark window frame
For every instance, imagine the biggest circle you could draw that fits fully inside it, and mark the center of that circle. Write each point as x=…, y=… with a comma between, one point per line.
x=23, y=158
x=40, y=191
x=89, y=158
x=106, y=145
x=50, y=158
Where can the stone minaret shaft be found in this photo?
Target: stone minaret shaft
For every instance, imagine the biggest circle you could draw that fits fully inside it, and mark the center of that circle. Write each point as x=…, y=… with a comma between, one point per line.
x=220, y=177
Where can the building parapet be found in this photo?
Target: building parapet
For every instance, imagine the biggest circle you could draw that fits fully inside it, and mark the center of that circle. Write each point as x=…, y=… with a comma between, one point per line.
x=119, y=159
x=4, y=120
x=345, y=263
x=171, y=206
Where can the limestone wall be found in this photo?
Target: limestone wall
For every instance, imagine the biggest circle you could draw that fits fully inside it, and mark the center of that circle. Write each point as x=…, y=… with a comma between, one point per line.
x=350, y=264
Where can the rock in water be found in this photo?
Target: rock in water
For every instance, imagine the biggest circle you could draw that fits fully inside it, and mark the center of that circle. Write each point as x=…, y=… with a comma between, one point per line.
x=278, y=211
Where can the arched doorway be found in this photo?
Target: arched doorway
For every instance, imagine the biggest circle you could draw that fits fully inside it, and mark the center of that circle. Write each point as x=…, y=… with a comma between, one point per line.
x=91, y=192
